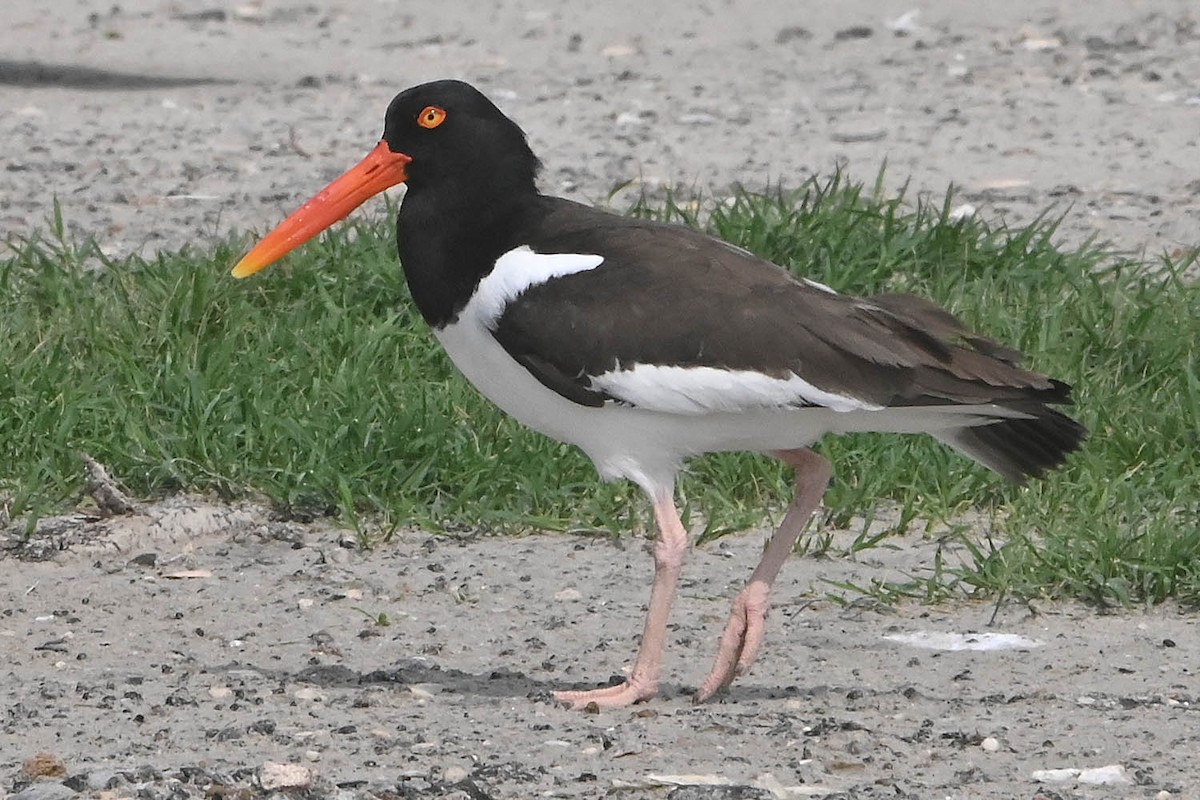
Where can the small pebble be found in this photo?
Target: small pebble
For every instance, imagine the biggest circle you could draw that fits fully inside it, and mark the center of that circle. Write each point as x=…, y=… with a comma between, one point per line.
x=853, y=32
x=251, y=12
x=617, y=51
x=272, y=775
x=99, y=780
x=962, y=211
x=336, y=556
x=45, y=791
x=43, y=765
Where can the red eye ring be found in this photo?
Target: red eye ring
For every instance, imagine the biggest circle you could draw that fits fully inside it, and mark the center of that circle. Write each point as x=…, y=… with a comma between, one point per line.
x=431, y=116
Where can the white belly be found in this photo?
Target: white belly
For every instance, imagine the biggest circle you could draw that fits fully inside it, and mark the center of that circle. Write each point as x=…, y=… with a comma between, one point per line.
x=644, y=446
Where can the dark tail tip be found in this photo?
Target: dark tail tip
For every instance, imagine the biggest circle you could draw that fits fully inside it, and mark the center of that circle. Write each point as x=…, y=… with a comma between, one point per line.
x=1020, y=449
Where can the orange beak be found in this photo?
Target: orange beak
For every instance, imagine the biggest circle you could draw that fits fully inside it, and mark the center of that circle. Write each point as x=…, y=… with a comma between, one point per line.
x=380, y=170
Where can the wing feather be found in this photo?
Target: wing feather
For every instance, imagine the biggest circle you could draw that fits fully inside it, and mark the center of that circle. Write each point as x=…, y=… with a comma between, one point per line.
x=675, y=320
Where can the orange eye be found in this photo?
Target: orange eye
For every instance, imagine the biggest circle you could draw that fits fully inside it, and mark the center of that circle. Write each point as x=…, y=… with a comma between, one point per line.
x=431, y=117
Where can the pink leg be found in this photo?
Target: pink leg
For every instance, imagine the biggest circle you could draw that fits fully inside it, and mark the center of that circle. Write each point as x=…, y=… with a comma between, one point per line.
x=746, y=628
x=669, y=550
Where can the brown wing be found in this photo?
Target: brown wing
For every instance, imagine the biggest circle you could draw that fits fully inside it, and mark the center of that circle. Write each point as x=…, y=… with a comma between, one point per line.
x=670, y=296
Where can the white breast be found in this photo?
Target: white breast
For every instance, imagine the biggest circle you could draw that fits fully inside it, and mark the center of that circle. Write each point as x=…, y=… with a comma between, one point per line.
x=601, y=433
x=517, y=271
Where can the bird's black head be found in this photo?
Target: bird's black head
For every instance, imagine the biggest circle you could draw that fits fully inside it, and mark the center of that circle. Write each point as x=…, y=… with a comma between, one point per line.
x=454, y=136
x=465, y=164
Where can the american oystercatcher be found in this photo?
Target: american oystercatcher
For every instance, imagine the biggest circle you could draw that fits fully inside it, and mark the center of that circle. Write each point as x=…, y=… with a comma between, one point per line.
x=645, y=343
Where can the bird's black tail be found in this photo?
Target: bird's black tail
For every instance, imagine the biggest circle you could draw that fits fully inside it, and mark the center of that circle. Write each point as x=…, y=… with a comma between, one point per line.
x=1020, y=447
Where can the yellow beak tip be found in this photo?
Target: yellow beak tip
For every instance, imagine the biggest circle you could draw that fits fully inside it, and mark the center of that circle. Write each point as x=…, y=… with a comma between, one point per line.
x=244, y=270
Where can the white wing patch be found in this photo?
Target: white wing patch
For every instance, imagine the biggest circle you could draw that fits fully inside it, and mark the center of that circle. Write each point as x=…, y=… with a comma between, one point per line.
x=517, y=271
x=707, y=390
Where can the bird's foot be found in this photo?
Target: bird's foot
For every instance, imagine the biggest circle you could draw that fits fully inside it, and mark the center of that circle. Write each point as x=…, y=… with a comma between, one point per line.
x=623, y=694
x=740, y=642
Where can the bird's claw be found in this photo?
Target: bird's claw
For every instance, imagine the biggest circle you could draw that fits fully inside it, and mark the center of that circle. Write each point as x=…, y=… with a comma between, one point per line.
x=740, y=642
x=623, y=694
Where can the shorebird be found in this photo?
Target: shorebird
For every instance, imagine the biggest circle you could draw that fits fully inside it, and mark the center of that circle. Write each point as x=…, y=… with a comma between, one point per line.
x=645, y=343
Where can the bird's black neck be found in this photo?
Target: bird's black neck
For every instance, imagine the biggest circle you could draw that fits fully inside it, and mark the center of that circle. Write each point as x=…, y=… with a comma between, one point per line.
x=449, y=237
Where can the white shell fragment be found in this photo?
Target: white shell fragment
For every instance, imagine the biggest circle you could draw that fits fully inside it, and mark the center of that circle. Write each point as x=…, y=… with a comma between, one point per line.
x=1109, y=775
x=938, y=640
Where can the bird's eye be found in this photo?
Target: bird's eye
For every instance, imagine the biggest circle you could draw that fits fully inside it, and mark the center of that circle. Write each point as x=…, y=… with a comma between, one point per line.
x=431, y=117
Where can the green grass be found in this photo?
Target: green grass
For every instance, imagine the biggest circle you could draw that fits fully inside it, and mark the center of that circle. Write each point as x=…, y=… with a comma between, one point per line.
x=319, y=386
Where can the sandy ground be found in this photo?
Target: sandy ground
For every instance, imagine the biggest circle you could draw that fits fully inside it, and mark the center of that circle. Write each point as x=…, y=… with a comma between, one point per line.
x=188, y=646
